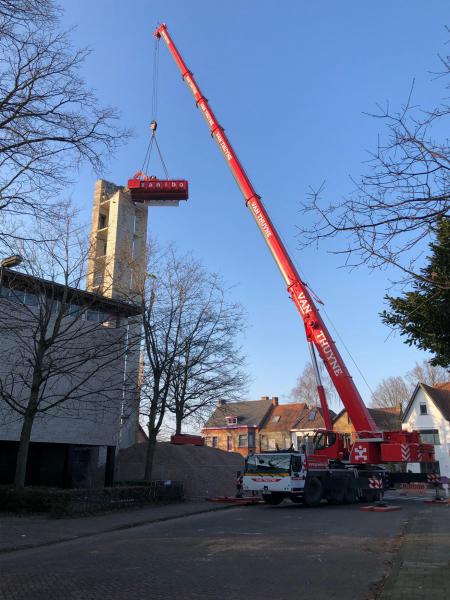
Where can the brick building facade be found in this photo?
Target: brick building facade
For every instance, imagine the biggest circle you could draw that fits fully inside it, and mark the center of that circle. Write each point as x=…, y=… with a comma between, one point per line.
x=276, y=431
x=386, y=419
x=236, y=426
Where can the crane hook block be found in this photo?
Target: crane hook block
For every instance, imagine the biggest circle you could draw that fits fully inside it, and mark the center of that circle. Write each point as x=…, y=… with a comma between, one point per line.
x=153, y=125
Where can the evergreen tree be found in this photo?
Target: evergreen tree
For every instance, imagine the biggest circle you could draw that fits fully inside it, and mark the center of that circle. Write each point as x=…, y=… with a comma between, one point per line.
x=423, y=314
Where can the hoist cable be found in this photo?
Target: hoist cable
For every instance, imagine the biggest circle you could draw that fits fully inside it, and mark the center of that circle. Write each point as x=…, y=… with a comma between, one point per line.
x=161, y=157
x=155, y=79
x=349, y=353
x=153, y=125
x=150, y=147
x=147, y=156
x=316, y=297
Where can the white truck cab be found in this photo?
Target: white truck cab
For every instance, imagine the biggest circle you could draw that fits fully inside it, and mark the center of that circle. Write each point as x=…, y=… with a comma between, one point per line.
x=275, y=476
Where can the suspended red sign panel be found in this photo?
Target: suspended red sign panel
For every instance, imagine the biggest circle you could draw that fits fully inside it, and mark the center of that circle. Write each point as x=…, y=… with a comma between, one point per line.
x=157, y=192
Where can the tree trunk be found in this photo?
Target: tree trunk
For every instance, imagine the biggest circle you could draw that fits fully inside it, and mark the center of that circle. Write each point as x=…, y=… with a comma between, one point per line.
x=149, y=456
x=22, y=453
x=178, y=422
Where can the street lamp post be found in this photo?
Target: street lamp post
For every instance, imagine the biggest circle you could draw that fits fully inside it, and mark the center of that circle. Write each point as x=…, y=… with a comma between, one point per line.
x=8, y=263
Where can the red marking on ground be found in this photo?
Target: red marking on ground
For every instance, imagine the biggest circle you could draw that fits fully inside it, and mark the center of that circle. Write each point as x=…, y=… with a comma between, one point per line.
x=380, y=508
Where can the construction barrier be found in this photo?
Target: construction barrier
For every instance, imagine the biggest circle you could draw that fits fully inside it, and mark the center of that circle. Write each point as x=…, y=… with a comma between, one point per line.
x=415, y=488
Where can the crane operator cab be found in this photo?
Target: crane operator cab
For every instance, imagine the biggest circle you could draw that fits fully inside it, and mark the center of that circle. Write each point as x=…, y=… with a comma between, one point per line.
x=331, y=444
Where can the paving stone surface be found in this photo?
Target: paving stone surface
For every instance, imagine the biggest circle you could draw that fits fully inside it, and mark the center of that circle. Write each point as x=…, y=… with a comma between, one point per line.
x=421, y=570
x=29, y=531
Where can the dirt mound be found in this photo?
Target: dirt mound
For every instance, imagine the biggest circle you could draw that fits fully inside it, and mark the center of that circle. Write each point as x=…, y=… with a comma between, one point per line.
x=206, y=472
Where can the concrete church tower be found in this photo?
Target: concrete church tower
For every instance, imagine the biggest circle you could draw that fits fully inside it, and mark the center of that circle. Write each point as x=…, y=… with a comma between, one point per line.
x=117, y=266
x=116, y=263
x=117, y=259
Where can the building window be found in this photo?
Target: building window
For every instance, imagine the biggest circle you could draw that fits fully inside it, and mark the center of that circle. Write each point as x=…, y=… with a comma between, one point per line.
x=251, y=439
x=423, y=409
x=229, y=443
x=430, y=436
x=102, y=223
x=31, y=299
x=243, y=441
x=92, y=314
x=264, y=442
x=16, y=296
x=312, y=416
x=287, y=443
x=272, y=444
x=231, y=420
x=215, y=441
x=275, y=419
x=208, y=441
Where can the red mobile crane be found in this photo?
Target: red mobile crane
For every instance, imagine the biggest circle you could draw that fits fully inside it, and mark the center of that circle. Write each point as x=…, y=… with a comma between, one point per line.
x=371, y=447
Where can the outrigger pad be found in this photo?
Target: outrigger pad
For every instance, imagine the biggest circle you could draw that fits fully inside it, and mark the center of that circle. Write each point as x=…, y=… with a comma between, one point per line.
x=148, y=189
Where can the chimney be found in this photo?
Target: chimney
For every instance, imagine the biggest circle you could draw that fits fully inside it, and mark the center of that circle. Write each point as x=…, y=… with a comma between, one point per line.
x=221, y=402
x=274, y=400
x=265, y=398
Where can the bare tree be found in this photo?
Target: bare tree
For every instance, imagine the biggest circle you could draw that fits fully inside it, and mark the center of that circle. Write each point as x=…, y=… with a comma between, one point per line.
x=392, y=392
x=191, y=357
x=60, y=353
x=50, y=122
x=426, y=373
x=210, y=364
x=305, y=389
x=16, y=15
x=399, y=202
x=161, y=297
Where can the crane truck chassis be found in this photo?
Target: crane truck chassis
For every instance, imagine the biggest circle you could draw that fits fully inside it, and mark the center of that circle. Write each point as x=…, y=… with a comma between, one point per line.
x=309, y=479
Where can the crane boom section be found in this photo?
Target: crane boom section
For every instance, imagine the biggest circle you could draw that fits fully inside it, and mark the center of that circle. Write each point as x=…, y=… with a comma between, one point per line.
x=316, y=330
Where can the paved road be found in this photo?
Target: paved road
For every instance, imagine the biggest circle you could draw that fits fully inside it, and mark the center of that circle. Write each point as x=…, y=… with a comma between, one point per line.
x=256, y=553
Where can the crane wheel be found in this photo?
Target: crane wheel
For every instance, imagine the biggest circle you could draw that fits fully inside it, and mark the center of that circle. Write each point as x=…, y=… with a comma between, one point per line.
x=272, y=499
x=350, y=496
x=313, y=492
x=296, y=499
x=336, y=496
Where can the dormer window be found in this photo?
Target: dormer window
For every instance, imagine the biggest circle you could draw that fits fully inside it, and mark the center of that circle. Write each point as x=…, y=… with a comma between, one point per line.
x=423, y=409
x=231, y=420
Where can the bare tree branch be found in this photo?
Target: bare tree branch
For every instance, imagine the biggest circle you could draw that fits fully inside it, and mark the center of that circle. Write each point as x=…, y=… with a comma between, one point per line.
x=397, y=204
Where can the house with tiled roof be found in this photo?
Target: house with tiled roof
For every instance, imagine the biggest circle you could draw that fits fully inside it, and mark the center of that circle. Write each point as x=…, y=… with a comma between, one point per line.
x=276, y=430
x=386, y=419
x=235, y=426
x=428, y=411
x=306, y=425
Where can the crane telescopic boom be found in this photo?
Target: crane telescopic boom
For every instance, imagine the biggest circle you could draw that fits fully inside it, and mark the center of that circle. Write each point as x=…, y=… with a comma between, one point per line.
x=316, y=331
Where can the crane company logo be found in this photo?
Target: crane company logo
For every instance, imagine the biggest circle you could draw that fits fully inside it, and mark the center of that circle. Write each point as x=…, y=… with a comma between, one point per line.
x=360, y=453
x=207, y=114
x=223, y=145
x=263, y=225
x=329, y=354
x=266, y=479
x=303, y=303
x=162, y=185
x=321, y=339
x=192, y=85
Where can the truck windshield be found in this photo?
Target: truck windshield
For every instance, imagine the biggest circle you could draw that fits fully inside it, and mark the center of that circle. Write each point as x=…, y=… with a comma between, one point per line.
x=268, y=463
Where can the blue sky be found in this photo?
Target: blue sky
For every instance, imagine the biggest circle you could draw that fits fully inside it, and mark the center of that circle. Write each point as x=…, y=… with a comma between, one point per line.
x=290, y=82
